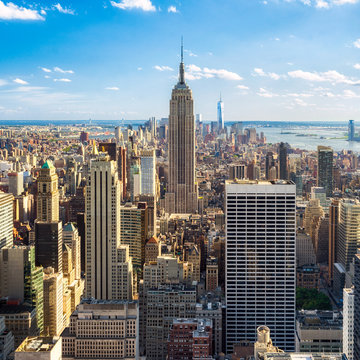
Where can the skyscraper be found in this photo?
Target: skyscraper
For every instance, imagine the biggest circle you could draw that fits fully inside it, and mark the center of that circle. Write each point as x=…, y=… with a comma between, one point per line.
x=325, y=169
x=6, y=220
x=348, y=323
x=48, y=195
x=333, y=236
x=102, y=228
x=220, y=114
x=181, y=196
x=283, y=161
x=260, y=260
x=351, y=131
x=147, y=158
x=357, y=307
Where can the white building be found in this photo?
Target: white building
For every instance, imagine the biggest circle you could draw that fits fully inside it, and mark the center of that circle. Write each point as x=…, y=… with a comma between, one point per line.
x=148, y=172
x=6, y=220
x=348, y=323
x=16, y=183
x=260, y=260
x=39, y=348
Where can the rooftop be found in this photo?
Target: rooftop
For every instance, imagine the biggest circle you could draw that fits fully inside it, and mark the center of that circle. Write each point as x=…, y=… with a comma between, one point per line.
x=36, y=344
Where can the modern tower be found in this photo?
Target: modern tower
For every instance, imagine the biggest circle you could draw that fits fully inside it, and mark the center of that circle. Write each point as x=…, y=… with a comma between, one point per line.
x=181, y=196
x=357, y=306
x=148, y=171
x=102, y=228
x=220, y=114
x=351, y=131
x=325, y=169
x=6, y=220
x=283, y=161
x=260, y=261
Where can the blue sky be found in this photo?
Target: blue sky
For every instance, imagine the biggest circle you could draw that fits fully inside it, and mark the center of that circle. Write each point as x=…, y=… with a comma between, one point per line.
x=285, y=60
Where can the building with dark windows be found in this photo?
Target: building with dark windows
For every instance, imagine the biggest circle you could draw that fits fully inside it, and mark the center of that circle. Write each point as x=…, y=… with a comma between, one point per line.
x=325, y=169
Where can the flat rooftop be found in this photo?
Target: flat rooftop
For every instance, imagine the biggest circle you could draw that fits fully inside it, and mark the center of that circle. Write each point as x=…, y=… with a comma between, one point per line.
x=37, y=344
x=259, y=182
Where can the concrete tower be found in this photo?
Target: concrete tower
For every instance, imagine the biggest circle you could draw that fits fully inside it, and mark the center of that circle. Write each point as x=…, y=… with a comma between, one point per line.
x=181, y=194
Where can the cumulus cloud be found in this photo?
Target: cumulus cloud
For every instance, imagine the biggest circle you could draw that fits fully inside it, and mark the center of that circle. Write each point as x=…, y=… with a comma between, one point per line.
x=356, y=43
x=357, y=66
x=242, y=87
x=10, y=11
x=145, y=5
x=324, y=4
x=113, y=88
x=20, y=81
x=57, y=69
x=271, y=75
x=190, y=53
x=62, y=80
x=265, y=93
x=194, y=72
x=46, y=69
x=59, y=8
x=172, y=9
x=163, y=68
x=331, y=76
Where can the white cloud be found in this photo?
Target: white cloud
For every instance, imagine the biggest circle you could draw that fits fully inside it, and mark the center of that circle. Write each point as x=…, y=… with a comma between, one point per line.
x=20, y=81
x=265, y=93
x=324, y=4
x=357, y=66
x=46, y=70
x=195, y=73
x=242, y=87
x=271, y=75
x=172, y=9
x=321, y=4
x=57, y=69
x=42, y=12
x=163, y=68
x=47, y=77
x=62, y=80
x=190, y=53
x=3, y=82
x=10, y=11
x=145, y=5
x=59, y=8
x=328, y=76
x=113, y=88
x=356, y=43
x=139, y=68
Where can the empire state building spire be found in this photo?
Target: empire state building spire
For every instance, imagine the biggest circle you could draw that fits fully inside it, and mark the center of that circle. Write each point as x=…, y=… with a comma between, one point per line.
x=182, y=67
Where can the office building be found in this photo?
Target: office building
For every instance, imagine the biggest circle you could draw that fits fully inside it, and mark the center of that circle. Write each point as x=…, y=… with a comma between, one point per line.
x=150, y=201
x=212, y=274
x=125, y=274
x=102, y=329
x=333, y=236
x=6, y=220
x=237, y=172
x=53, y=302
x=325, y=169
x=16, y=183
x=308, y=276
x=103, y=195
x=190, y=339
x=148, y=171
x=260, y=260
x=318, y=331
x=39, y=348
x=348, y=322
x=21, y=279
x=181, y=196
x=305, y=253
x=356, y=353
x=48, y=194
x=48, y=244
x=283, y=162
x=220, y=114
x=164, y=304
x=152, y=250
x=6, y=340
x=72, y=239
x=134, y=231
x=351, y=130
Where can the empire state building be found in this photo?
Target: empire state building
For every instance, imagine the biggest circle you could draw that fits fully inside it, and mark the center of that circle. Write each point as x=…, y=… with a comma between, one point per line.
x=181, y=196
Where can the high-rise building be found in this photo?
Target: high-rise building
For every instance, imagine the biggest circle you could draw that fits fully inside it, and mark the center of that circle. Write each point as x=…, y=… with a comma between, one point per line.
x=21, y=279
x=348, y=323
x=351, y=131
x=72, y=239
x=6, y=340
x=165, y=304
x=16, y=183
x=103, y=195
x=325, y=169
x=53, y=302
x=212, y=274
x=48, y=194
x=39, y=348
x=220, y=114
x=150, y=201
x=356, y=353
x=348, y=231
x=147, y=158
x=6, y=220
x=134, y=231
x=283, y=162
x=152, y=250
x=125, y=274
x=237, y=172
x=269, y=164
x=260, y=260
x=102, y=330
x=181, y=196
x=48, y=244
x=333, y=236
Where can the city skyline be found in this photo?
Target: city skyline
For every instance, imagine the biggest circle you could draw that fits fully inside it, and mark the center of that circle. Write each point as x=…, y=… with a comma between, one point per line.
x=51, y=54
